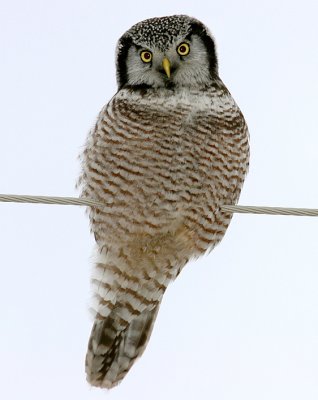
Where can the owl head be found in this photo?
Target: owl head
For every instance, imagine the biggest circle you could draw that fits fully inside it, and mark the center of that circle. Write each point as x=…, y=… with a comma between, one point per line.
x=166, y=52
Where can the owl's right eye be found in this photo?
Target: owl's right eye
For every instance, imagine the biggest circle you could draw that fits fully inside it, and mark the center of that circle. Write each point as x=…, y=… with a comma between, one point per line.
x=146, y=56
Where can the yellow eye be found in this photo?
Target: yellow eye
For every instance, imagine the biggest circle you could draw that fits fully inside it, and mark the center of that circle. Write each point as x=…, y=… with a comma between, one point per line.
x=146, y=56
x=183, y=49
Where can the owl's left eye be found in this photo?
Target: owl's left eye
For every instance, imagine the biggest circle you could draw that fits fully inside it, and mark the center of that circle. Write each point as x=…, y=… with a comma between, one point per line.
x=146, y=56
x=183, y=49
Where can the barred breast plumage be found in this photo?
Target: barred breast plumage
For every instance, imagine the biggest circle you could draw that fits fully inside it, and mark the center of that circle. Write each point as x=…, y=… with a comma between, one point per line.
x=162, y=159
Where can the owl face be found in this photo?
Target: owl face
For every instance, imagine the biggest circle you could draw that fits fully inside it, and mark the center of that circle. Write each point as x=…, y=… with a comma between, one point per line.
x=166, y=52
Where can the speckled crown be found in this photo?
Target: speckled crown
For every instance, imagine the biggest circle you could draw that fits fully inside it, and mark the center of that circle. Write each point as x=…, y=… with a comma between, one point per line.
x=162, y=31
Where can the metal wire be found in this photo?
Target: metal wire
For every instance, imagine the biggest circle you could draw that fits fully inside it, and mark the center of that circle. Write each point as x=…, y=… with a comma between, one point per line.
x=74, y=201
x=65, y=201
x=300, y=212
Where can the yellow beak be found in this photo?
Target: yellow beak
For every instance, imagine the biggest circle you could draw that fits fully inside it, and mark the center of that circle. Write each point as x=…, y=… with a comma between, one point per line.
x=166, y=66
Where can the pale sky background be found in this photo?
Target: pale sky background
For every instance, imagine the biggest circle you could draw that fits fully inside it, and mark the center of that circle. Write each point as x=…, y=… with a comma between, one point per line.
x=241, y=323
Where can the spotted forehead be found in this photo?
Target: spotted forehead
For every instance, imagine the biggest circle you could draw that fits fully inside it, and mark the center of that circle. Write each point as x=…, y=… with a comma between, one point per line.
x=160, y=32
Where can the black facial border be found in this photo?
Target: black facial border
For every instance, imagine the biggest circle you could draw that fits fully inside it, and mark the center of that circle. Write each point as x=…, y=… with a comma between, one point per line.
x=124, y=44
x=199, y=29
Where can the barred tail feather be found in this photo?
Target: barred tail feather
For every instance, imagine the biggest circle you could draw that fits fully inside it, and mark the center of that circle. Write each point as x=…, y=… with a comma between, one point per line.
x=112, y=348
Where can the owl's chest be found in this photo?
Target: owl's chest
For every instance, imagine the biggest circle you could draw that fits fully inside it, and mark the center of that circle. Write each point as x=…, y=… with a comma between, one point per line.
x=163, y=150
x=176, y=152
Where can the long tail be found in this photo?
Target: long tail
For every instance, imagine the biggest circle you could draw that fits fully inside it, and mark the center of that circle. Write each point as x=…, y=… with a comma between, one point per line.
x=113, y=348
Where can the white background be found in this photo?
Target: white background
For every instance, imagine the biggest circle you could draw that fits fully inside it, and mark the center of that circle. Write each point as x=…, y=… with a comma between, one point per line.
x=241, y=323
